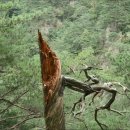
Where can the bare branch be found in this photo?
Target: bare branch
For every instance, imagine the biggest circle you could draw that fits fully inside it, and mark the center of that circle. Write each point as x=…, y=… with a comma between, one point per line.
x=71, y=70
x=78, y=85
x=127, y=95
x=107, y=106
x=100, y=124
x=24, y=120
x=125, y=89
x=81, y=120
x=8, y=92
x=95, y=94
x=113, y=110
x=11, y=103
x=89, y=77
x=82, y=87
x=14, y=117
x=81, y=103
x=15, y=100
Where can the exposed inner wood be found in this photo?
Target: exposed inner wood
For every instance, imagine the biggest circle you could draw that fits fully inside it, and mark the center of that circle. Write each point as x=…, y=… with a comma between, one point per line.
x=51, y=79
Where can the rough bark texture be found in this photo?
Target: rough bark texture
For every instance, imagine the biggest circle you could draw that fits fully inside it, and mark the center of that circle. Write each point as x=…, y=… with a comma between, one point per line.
x=52, y=87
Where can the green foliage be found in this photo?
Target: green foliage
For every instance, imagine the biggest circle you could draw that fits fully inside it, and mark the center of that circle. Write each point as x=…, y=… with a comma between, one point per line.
x=95, y=33
x=9, y=122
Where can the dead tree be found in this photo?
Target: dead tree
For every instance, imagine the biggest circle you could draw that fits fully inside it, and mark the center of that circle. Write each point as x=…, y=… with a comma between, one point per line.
x=53, y=86
x=87, y=90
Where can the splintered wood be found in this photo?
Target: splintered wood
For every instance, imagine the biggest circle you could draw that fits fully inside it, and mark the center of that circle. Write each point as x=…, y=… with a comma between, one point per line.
x=51, y=69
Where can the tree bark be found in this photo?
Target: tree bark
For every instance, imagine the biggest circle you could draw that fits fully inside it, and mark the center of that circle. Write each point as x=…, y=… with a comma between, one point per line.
x=52, y=87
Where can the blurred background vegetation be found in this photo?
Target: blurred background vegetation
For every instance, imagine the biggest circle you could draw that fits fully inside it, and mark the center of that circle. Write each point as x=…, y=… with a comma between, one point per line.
x=91, y=32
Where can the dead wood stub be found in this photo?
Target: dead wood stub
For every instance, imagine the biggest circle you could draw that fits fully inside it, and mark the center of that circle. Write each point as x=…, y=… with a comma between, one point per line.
x=51, y=68
x=52, y=86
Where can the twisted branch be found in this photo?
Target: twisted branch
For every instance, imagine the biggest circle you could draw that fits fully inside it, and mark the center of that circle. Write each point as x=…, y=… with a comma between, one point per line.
x=87, y=90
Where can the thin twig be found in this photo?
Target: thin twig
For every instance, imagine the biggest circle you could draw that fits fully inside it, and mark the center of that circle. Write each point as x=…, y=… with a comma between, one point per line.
x=23, y=121
x=118, y=112
x=107, y=106
x=81, y=120
x=14, y=101
x=127, y=95
x=8, y=92
x=100, y=124
x=14, y=117
x=11, y=103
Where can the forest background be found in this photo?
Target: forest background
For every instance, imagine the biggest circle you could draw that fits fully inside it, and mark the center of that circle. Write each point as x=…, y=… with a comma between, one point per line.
x=91, y=32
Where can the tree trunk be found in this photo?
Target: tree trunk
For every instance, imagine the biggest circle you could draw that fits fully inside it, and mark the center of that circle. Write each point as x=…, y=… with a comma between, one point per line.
x=52, y=87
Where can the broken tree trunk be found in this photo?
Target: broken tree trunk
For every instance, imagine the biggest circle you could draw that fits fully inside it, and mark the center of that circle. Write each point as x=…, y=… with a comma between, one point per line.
x=52, y=87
